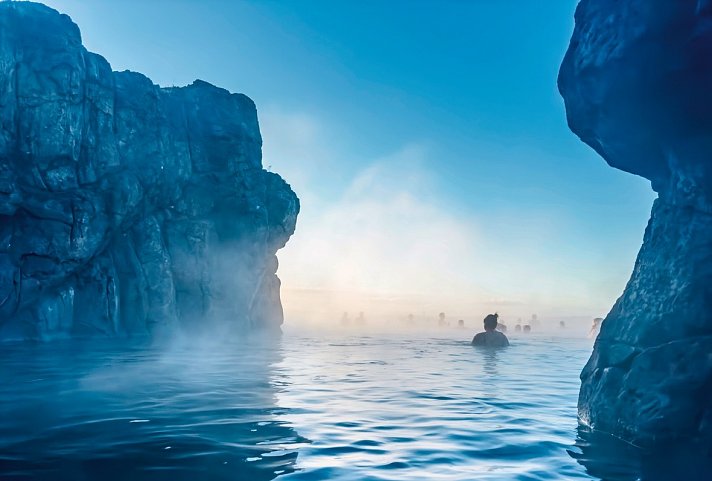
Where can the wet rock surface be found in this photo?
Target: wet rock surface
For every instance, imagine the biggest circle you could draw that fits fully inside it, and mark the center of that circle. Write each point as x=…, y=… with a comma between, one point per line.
x=636, y=82
x=126, y=208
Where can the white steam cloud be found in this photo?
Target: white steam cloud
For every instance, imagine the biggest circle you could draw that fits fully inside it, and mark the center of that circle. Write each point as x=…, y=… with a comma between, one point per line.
x=385, y=243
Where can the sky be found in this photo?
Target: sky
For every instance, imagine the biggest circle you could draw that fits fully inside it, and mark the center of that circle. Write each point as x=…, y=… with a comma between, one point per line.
x=426, y=141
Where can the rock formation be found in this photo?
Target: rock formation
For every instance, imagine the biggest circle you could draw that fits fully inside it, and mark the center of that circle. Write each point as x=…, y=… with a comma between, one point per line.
x=636, y=81
x=126, y=208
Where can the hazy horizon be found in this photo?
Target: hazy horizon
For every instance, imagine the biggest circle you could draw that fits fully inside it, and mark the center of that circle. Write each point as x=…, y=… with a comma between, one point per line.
x=436, y=172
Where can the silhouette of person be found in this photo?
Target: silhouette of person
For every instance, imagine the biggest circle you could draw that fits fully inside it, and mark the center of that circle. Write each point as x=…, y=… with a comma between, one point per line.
x=562, y=325
x=527, y=328
x=411, y=319
x=345, y=319
x=360, y=320
x=441, y=319
x=518, y=328
x=501, y=327
x=461, y=324
x=595, y=327
x=491, y=337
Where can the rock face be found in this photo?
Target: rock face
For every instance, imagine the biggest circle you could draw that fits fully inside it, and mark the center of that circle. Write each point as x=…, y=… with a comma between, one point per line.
x=636, y=81
x=126, y=208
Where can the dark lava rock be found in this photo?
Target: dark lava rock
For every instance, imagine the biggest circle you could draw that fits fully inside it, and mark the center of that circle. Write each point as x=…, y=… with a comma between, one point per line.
x=126, y=208
x=636, y=81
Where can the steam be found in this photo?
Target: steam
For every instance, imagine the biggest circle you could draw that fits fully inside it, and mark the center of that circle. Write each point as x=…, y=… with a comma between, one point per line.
x=387, y=243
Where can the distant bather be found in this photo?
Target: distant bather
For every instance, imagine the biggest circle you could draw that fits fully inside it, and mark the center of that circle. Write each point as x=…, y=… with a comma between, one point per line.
x=595, y=328
x=491, y=337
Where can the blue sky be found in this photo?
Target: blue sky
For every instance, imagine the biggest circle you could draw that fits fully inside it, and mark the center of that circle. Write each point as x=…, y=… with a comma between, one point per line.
x=426, y=139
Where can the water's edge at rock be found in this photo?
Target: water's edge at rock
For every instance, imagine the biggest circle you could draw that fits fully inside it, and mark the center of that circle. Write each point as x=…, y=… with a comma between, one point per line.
x=126, y=208
x=635, y=81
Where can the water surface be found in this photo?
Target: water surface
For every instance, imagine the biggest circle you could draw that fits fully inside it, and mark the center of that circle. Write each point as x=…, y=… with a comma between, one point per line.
x=339, y=405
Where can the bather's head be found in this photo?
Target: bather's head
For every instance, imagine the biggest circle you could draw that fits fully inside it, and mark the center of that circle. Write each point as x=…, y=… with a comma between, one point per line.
x=491, y=322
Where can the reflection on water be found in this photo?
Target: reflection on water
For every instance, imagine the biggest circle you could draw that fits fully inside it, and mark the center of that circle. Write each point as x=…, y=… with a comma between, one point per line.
x=428, y=405
x=343, y=405
x=79, y=411
x=489, y=360
x=610, y=459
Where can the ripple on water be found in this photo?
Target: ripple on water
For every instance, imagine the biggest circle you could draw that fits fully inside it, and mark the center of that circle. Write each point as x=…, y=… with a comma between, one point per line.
x=391, y=407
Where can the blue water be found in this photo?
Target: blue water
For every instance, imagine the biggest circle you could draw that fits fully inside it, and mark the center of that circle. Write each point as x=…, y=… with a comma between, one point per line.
x=308, y=406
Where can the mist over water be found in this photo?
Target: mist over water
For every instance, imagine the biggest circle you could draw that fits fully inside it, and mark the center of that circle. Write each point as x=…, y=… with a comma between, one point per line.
x=107, y=410
x=346, y=403
x=384, y=236
x=436, y=172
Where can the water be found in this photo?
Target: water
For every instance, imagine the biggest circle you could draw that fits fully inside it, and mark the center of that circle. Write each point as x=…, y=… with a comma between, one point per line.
x=341, y=405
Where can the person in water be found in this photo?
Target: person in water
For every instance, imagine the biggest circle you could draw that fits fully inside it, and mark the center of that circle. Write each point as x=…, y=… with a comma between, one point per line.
x=595, y=328
x=491, y=337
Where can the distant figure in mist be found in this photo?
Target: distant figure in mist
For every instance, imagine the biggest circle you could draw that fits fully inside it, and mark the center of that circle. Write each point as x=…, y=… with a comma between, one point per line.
x=595, y=328
x=491, y=337
x=345, y=319
x=360, y=320
x=562, y=325
x=411, y=319
x=461, y=323
x=527, y=328
x=518, y=328
x=501, y=327
x=441, y=319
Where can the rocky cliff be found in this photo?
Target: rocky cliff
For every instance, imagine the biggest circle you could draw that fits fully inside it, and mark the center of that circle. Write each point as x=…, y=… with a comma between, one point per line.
x=637, y=84
x=126, y=208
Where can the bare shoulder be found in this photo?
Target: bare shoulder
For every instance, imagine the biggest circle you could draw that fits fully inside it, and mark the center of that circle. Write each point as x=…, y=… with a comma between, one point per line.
x=479, y=339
